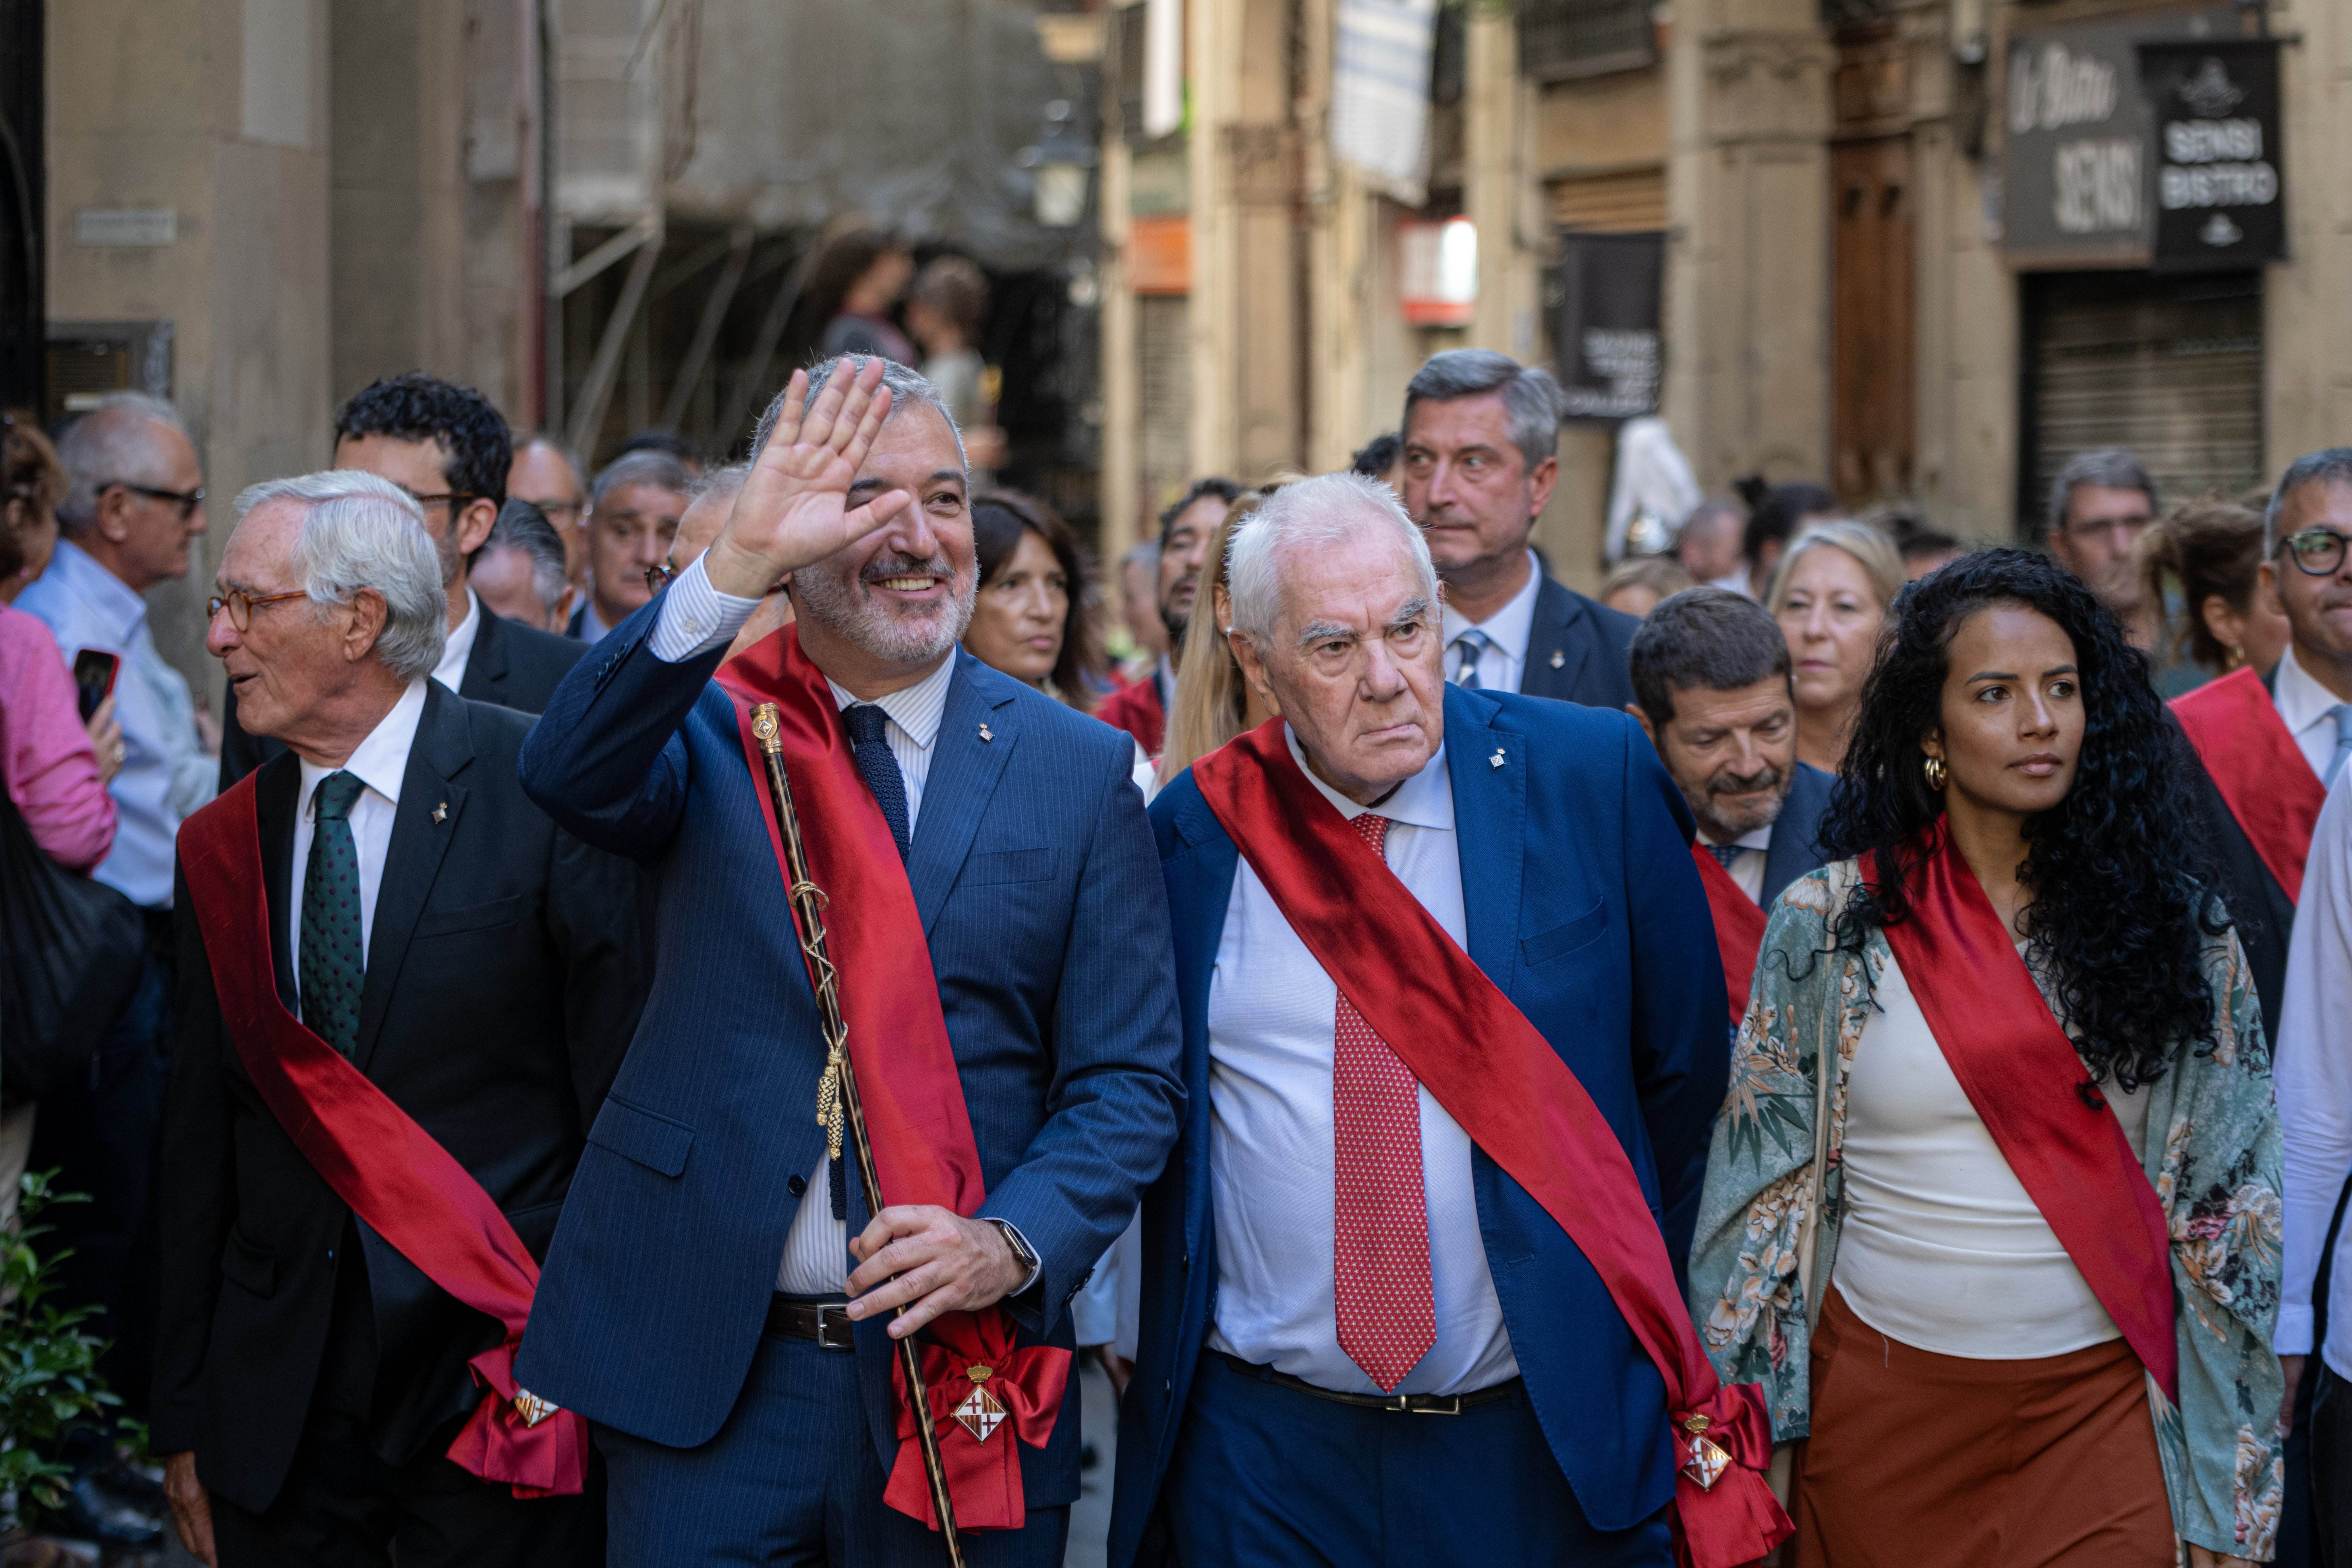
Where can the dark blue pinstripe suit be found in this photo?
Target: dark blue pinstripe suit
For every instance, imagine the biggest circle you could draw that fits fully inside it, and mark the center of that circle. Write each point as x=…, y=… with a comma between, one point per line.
x=1034, y=873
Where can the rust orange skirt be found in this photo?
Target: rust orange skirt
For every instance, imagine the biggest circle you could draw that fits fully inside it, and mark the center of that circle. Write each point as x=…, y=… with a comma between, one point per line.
x=1920, y=1460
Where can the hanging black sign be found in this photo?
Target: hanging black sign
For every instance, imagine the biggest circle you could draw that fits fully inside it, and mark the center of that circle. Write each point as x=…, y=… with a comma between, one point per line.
x=1605, y=323
x=2219, y=190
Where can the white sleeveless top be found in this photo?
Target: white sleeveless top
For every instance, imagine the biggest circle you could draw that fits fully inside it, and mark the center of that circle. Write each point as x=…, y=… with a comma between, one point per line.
x=1942, y=1248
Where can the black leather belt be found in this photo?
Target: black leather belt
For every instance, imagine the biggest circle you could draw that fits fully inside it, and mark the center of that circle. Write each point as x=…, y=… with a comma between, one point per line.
x=1402, y=1404
x=797, y=1317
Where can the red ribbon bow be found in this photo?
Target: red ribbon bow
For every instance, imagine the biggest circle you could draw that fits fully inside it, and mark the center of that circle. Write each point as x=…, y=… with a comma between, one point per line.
x=1736, y=1519
x=500, y=1443
x=983, y=1475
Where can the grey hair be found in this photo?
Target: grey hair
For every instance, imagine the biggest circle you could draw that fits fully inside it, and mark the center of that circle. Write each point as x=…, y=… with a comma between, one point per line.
x=720, y=481
x=362, y=532
x=2109, y=468
x=659, y=469
x=2328, y=466
x=524, y=528
x=110, y=445
x=1530, y=396
x=1326, y=509
x=906, y=387
x=1871, y=549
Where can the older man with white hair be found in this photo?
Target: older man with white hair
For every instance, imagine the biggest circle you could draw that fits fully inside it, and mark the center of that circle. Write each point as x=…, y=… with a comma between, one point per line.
x=1451, y=1075
x=404, y=995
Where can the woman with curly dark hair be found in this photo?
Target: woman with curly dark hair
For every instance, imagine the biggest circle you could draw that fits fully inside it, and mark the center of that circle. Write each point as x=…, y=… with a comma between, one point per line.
x=1993, y=1209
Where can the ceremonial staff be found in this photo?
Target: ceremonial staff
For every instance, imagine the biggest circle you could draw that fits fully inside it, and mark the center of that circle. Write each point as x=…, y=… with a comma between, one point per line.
x=837, y=1099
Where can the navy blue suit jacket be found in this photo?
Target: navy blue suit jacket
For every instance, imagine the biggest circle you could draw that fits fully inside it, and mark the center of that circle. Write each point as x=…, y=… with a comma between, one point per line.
x=1585, y=907
x=1049, y=931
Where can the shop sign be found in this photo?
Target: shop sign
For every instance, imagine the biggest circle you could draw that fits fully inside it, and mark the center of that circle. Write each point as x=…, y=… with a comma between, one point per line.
x=2219, y=198
x=2076, y=188
x=1605, y=324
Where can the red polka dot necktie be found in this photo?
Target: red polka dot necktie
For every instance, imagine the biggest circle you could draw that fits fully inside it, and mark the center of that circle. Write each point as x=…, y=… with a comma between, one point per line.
x=1387, y=1320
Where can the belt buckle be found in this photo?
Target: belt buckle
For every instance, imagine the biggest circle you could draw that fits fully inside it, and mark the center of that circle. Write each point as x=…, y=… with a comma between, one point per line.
x=1431, y=1405
x=828, y=1315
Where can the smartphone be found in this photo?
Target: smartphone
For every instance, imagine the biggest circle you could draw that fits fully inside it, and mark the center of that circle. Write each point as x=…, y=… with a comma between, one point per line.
x=94, y=672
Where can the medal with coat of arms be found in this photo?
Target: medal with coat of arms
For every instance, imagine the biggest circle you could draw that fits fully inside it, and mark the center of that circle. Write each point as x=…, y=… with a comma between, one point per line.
x=979, y=1413
x=1704, y=1459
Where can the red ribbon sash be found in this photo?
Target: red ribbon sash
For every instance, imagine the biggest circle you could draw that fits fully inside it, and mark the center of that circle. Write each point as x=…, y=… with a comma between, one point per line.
x=1738, y=928
x=2263, y=775
x=2022, y=1073
x=924, y=1151
x=391, y=1172
x=1500, y=1079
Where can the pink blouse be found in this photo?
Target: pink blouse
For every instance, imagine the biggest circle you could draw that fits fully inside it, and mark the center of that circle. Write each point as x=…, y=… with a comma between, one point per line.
x=46, y=757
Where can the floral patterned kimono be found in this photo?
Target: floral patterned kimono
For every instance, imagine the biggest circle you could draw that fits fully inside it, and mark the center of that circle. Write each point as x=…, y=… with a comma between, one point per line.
x=2216, y=1172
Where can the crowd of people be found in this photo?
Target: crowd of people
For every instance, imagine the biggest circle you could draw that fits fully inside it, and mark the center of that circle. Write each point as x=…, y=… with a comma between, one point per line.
x=1835, y=1047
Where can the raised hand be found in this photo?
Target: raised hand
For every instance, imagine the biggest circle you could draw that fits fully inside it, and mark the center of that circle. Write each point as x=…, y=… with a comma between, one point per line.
x=794, y=507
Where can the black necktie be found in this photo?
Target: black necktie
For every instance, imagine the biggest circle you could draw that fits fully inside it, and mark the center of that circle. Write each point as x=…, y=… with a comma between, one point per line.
x=329, y=958
x=878, y=767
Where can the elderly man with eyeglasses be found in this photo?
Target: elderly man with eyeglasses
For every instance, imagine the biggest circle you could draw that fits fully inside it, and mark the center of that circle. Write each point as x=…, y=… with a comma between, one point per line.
x=133, y=505
x=404, y=993
x=2100, y=503
x=2270, y=746
x=451, y=451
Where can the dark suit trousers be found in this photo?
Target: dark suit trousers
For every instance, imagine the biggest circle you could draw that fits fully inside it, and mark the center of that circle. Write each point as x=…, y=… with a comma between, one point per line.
x=1264, y=1476
x=343, y=1505
x=2331, y=1465
x=792, y=1480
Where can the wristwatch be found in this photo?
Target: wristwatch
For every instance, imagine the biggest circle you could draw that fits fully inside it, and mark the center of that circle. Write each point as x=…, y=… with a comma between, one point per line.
x=1023, y=1254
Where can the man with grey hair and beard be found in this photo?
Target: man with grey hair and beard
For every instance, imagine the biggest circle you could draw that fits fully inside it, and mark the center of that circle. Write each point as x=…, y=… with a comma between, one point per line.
x=404, y=993
x=1454, y=1074
x=722, y=1301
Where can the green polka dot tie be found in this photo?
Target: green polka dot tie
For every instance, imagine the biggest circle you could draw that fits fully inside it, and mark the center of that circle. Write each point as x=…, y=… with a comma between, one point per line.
x=334, y=962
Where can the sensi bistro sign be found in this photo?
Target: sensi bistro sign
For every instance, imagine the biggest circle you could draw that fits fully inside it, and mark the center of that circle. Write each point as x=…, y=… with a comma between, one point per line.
x=2219, y=193
x=2078, y=181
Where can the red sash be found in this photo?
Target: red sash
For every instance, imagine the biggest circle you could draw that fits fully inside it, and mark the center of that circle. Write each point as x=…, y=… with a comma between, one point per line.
x=2022, y=1073
x=1738, y=928
x=2260, y=770
x=923, y=1146
x=1502, y=1081
x=391, y=1172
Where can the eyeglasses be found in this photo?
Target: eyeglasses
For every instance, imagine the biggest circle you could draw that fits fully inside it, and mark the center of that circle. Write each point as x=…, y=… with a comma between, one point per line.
x=2316, y=552
x=454, y=498
x=240, y=605
x=659, y=577
x=186, y=500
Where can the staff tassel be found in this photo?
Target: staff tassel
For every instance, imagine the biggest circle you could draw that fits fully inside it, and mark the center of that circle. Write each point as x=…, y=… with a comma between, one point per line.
x=837, y=1101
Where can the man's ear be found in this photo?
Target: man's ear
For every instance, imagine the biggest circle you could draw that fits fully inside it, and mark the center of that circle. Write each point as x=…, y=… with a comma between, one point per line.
x=1541, y=480
x=1245, y=654
x=2266, y=580
x=112, y=522
x=473, y=524
x=369, y=614
x=1643, y=718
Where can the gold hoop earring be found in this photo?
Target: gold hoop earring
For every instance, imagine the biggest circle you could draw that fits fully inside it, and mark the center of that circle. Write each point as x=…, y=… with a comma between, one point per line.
x=1935, y=773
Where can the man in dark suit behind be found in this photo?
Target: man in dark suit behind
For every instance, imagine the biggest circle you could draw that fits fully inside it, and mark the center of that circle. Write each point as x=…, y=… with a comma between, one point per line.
x=1481, y=457
x=478, y=966
x=450, y=450
x=1710, y=674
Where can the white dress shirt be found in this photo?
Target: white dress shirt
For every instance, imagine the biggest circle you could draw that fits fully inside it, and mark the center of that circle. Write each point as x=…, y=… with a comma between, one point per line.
x=1272, y=1010
x=1942, y=1247
x=1504, y=660
x=2312, y=1075
x=165, y=774
x=2308, y=710
x=451, y=671
x=378, y=762
x=1748, y=872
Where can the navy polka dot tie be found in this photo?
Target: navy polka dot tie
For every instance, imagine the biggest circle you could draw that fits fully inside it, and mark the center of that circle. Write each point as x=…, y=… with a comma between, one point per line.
x=333, y=963
x=1381, y=1292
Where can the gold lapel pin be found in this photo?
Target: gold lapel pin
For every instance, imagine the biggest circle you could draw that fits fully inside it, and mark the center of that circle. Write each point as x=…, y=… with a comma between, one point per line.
x=441, y=812
x=986, y=734
x=1557, y=658
x=1495, y=760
